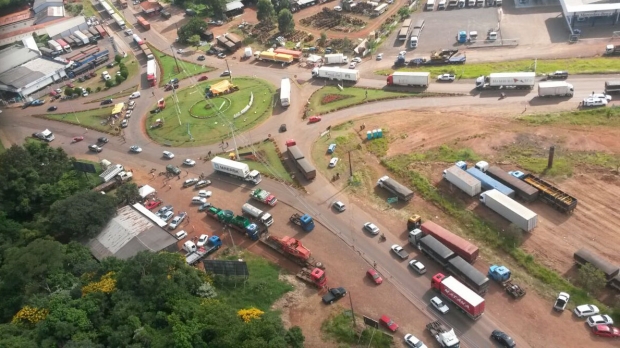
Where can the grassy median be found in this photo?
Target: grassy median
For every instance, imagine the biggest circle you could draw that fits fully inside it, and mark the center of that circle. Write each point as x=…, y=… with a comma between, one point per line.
x=331, y=98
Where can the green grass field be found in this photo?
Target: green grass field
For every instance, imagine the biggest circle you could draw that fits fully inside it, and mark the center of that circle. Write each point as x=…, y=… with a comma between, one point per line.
x=609, y=117
x=92, y=119
x=168, y=66
x=124, y=93
x=210, y=128
x=270, y=163
x=474, y=70
x=353, y=95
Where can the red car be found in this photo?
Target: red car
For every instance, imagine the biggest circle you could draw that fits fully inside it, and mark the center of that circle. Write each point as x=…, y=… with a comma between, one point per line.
x=314, y=119
x=203, y=78
x=375, y=276
x=152, y=204
x=76, y=139
x=290, y=142
x=70, y=85
x=606, y=331
x=389, y=323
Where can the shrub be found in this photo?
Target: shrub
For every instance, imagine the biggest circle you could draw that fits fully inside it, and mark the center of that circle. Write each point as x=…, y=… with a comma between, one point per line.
x=119, y=79
x=330, y=98
x=109, y=83
x=98, y=89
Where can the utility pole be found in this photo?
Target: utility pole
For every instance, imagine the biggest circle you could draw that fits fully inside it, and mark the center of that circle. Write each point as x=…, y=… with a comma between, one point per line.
x=229, y=72
x=350, y=164
x=352, y=313
x=175, y=59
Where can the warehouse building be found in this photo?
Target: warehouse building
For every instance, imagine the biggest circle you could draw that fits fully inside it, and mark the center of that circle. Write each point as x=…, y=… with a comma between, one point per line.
x=580, y=14
x=24, y=72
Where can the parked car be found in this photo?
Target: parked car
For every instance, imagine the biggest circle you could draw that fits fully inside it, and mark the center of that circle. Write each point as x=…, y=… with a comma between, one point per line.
x=203, y=78
x=103, y=140
x=371, y=228
x=283, y=128
x=106, y=102
x=503, y=339
x=446, y=77
x=176, y=221
x=585, y=310
x=95, y=148
x=167, y=216
x=440, y=305
x=375, y=276
x=356, y=60
x=333, y=162
x=413, y=342
x=594, y=102
x=417, y=266
x=205, y=193
x=388, y=323
x=202, y=240
x=52, y=108
x=124, y=124
x=599, y=320
x=352, y=65
x=314, y=119
x=189, y=162
x=180, y=235
x=152, y=204
x=204, y=206
x=225, y=72
x=338, y=205
x=201, y=58
x=168, y=155
x=163, y=210
x=203, y=183
x=199, y=200
x=334, y=294
x=606, y=331
x=190, y=182
x=379, y=56
x=135, y=149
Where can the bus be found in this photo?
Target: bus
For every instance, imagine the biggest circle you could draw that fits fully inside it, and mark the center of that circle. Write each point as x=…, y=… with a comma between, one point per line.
x=379, y=10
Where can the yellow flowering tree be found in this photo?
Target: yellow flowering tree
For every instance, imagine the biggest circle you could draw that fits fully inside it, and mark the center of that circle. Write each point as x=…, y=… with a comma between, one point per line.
x=107, y=284
x=30, y=315
x=251, y=313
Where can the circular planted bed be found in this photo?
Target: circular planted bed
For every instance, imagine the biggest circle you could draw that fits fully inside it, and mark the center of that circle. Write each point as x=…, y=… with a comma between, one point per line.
x=209, y=121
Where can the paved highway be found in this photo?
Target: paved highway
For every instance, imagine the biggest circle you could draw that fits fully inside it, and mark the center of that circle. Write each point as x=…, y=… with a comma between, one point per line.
x=17, y=125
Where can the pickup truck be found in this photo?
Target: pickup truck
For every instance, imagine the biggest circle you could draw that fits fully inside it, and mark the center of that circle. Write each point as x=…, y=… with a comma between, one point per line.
x=561, y=302
x=398, y=250
x=334, y=294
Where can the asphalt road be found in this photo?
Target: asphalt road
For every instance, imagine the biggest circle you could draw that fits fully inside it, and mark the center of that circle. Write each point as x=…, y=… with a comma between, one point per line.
x=16, y=124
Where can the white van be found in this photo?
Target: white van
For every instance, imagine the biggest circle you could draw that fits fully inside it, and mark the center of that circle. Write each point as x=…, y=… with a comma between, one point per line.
x=442, y=5
x=430, y=5
x=134, y=95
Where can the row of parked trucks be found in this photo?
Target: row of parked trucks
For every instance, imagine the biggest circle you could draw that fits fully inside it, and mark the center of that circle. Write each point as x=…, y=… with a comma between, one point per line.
x=611, y=271
x=442, y=57
x=305, y=167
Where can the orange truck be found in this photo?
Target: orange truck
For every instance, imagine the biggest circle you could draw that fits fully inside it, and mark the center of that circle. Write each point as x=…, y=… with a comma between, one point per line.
x=296, y=54
x=143, y=23
x=275, y=57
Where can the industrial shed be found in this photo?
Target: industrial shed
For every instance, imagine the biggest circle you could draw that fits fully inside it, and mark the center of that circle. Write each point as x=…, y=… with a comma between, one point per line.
x=129, y=233
x=580, y=14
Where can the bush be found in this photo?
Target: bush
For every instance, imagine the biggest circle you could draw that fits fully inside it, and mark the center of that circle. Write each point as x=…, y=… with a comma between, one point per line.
x=109, y=83
x=119, y=79
x=68, y=91
x=98, y=89
x=118, y=58
x=89, y=90
x=124, y=73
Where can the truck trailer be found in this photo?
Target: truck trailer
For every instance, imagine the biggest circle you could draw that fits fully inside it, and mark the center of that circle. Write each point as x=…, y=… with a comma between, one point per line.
x=488, y=183
x=460, y=246
x=402, y=192
x=264, y=217
x=54, y=46
x=522, y=189
x=510, y=209
x=236, y=169
x=285, y=92
x=584, y=256
x=294, y=152
x=432, y=248
x=461, y=296
x=336, y=58
x=555, y=89
x=557, y=198
x=419, y=79
x=333, y=73
x=274, y=57
x=83, y=38
x=143, y=23
x=519, y=80
x=111, y=172
x=463, y=180
x=612, y=86
x=468, y=275
x=306, y=168
x=295, y=54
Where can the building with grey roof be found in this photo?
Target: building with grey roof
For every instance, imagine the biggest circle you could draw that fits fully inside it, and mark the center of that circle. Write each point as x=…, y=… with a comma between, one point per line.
x=580, y=14
x=128, y=233
x=24, y=72
x=41, y=5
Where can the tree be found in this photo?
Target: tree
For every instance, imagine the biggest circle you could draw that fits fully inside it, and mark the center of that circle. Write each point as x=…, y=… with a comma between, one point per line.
x=265, y=11
x=82, y=215
x=194, y=40
x=109, y=83
x=127, y=193
x=591, y=279
x=118, y=58
x=218, y=8
x=280, y=5
x=322, y=39
x=118, y=79
x=286, y=23
x=195, y=26
x=68, y=91
x=89, y=90
x=294, y=337
x=404, y=12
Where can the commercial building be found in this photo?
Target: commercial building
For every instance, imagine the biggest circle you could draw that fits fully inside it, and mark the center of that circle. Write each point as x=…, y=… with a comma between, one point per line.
x=580, y=14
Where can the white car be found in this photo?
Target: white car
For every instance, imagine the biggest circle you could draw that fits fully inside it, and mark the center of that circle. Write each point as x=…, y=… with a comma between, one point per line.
x=339, y=206
x=132, y=103
x=439, y=305
x=124, y=124
x=128, y=114
x=333, y=162
x=417, y=266
x=189, y=162
x=446, y=77
x=337, y=8
x=352, y=65
x=168, y=155
x=402, y=53
x=600, y=320
x=85, y=94
x=585, y=310
x=180, y=235
x=136, y=149
x=202, y=240
x=601, y=96
x=372, y=228
x=128, y=32
x=198, y=200
x=204, y=193
x=179, y=51
x=413, y=341
x=176, y=221
x=356, y=60
x=379, y=56
x=594, y=102
x=167, y=215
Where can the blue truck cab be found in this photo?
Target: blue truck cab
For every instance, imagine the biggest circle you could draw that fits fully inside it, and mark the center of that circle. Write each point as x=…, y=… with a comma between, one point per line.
x=331, y=148
x=499, y=273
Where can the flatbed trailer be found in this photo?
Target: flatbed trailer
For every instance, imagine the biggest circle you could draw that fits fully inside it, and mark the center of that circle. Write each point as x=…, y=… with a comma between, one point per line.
x=557, y=198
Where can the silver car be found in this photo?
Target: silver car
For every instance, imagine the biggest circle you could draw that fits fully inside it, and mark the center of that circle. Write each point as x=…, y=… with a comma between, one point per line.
x=372, y=228
x=439, y=305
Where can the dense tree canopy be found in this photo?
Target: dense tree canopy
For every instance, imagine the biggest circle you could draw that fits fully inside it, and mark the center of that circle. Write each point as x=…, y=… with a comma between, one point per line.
x=265, y=11
x=195, y=26
x=81, y=215
x=286, y=23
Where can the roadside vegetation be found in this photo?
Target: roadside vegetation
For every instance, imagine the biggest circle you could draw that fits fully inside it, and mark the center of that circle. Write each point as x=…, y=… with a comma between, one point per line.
x=267, y=161
x=340, y=328
x=331, y=98
x=473, y=70
x=202, y=118
x=92, y=119
x=170, y=69
x=121, y=94
x=609, y=117
x=56, y=294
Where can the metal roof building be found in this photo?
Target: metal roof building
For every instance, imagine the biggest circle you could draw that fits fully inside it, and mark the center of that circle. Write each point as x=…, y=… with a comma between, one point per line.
x=588, y=13
x=128, y=233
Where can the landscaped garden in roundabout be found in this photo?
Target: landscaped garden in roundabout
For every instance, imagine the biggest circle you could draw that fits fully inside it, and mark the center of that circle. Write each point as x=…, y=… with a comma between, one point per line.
x=193, y=120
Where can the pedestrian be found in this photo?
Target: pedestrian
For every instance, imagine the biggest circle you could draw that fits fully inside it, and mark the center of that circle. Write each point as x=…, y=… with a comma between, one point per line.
x=226, y=144
x=374, y=264
x=169, y=187
x=187, y=218
x=179, y=177
x=153, y=93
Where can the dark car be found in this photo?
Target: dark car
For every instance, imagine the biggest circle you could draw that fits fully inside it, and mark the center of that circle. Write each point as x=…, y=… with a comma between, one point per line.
x=334, y=294
x=107, y=101
x=174, y=81
x=212, y=51
x=283, y=127
x=558, y=75
x=103, y=140
x=201, y=57
x=52, y=108
x=111, y=65
x=503, y=339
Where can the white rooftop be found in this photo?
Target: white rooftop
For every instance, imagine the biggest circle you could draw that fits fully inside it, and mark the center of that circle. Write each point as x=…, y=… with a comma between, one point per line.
x=599, y=7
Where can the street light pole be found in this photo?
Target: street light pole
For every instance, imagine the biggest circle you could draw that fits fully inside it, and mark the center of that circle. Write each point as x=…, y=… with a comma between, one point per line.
x=175, y=59
x=229, y=72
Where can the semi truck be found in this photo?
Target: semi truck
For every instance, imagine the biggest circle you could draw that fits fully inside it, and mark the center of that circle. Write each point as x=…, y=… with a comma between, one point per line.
x=151, y=72
x=552, y=195
x=442, y=57
x=468, y=275
x=402, y=192
x=414, y=38
x=517, y=80
x=119, y=21
x=295, y=54
x=137, y=39
x=460, y=246
x=488, y=183
x=420, y=79
x=333, y=73
x=461, y=296
x=112, y=184
x=285, y=92
x=522, y=189
x=65, y=46
x=612, y=50
x=236, y=169
x=54, y=46
x=335, y=58
x=236, y=222
x=83, y=38
x=612, y=86
x=111, y=172
x=304, y=166
x=264, y=197
x=502, y=274
x=195, y=254
x=265, y=218
x=555, y=89
x=143, y=23
x=431, y=247
x=304, y=221
x=585, y=256
x=463, y=180
x=274, y=57
x=446, y=338
x=510, y=209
